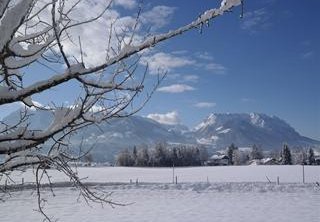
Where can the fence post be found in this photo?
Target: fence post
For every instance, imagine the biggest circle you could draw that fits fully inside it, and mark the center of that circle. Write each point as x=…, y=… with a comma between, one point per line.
x=268, y=179
x=173, y=173
x=303, y=177
x=278, y=180
x=176, y=179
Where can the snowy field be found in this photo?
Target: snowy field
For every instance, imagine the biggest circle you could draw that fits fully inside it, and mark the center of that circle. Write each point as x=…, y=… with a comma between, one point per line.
x=287, y=174
x=202, y=194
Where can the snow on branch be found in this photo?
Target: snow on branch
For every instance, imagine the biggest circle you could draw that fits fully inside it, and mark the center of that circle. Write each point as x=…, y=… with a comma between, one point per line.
x=3, y=7
x=31, y=33
x=41, y=32
x=12, y=20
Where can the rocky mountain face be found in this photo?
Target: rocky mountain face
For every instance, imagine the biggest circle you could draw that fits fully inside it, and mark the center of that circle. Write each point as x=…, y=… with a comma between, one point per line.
x=217, y=131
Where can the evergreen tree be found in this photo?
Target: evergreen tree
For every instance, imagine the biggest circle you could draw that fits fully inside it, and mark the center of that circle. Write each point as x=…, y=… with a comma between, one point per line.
x=197, y=160
x=256, y=153
x=311, y=159
x=240, y=157
x=134, y=156
x=88, y=158
x=124, y=158
x=152, y=160
x=230, y=153
x=286, y=155
x=175, y=156
x=143, y=157
x=203, y=154
x=302, y=157
x=159, y=155
x=180, y=156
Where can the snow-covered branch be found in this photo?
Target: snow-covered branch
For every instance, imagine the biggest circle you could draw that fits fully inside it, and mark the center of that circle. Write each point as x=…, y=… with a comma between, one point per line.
x=34, y=32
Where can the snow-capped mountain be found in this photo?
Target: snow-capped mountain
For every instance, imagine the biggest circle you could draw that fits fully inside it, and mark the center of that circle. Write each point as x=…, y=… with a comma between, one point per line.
x=217, y=131
x=245, y=130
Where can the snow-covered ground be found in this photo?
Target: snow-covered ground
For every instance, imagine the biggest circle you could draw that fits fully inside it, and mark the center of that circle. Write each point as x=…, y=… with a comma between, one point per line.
x=287, y=174
x=229, y=194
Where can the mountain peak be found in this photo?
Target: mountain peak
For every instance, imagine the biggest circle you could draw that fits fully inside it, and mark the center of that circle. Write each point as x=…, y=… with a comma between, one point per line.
x=210, y=120
x=246, y=129
x=257, y=119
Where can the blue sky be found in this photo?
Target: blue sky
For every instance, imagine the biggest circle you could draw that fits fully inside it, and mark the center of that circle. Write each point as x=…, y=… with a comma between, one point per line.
x=267, y=62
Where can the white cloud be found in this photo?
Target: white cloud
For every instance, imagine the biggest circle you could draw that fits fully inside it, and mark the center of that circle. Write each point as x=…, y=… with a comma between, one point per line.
x=205, y=56
x=247, y=100
x=95, y=35
x=164, y=62
x=170, y=118
x=128, y=4
x=305, y=43
x=96, y=108
x=307, y=55
x=180, y=52
x=176, y=88
x=256, y=20
x=173, y=76
x=158, y=16
x=190, y=78
x=215, y=67
x=205, y=105
x=206, y=61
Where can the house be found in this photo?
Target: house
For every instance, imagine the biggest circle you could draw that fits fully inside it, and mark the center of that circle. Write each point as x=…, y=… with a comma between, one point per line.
x=269, y=161
x=317, y=160
x=254, y=162
x=264, y=161
x=217, y=160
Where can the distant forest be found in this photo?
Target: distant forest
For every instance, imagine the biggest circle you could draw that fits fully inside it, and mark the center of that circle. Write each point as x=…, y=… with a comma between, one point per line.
x=164, y=155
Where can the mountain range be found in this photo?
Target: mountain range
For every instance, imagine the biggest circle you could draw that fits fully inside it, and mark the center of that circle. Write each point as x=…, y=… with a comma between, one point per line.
x=216, y=132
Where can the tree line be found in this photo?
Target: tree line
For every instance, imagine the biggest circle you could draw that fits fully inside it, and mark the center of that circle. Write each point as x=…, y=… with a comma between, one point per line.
x=163, y=155
x=286, y=156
